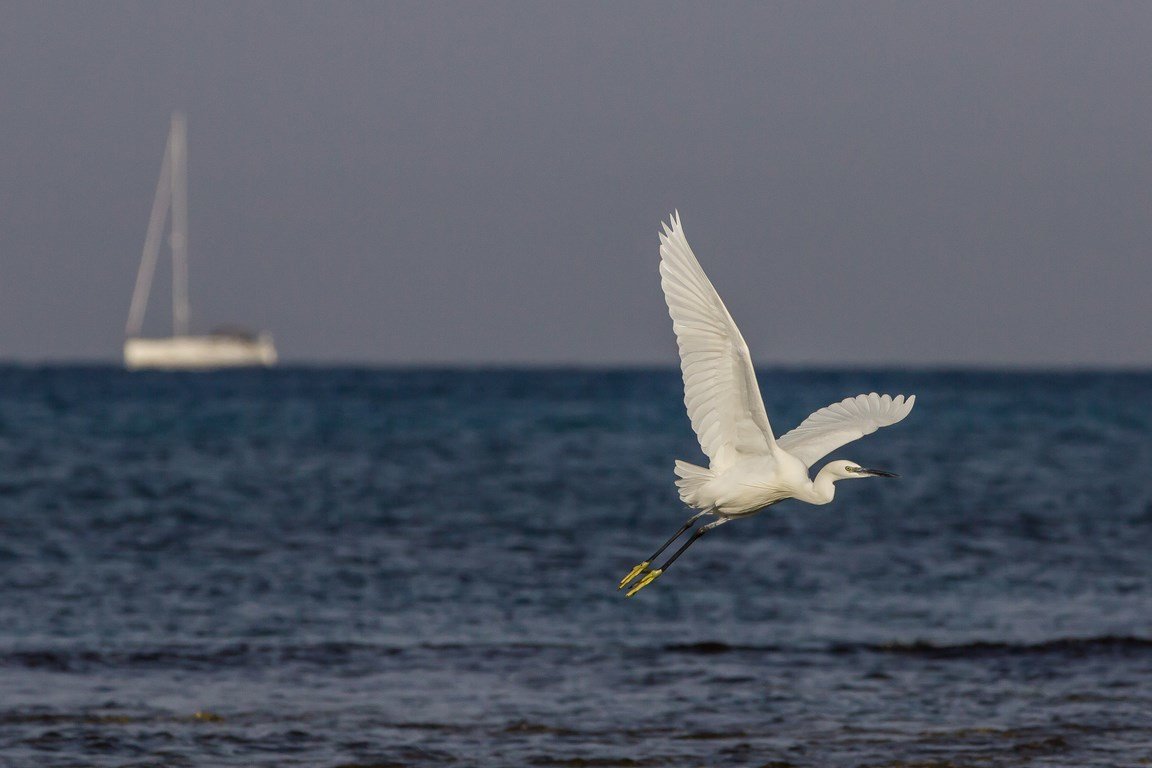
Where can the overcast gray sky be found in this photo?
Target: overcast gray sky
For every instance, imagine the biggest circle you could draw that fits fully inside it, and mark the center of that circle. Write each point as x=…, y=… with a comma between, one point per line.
x=866, y=183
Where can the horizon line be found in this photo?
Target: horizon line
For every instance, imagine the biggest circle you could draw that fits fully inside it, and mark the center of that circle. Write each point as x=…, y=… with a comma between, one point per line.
x=576, y=366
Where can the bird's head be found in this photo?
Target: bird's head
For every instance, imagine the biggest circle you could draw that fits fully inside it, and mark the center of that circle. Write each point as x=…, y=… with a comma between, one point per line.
x=850, y=470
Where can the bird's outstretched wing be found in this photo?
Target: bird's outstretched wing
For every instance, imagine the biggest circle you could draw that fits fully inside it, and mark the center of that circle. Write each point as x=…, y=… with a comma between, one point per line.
x=720, y=390
x=842, y=422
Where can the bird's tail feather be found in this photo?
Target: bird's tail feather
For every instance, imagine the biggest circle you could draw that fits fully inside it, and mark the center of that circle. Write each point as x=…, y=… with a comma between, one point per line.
x=691, y=479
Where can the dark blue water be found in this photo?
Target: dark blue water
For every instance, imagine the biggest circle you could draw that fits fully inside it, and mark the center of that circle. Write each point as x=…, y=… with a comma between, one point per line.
x=365, y=568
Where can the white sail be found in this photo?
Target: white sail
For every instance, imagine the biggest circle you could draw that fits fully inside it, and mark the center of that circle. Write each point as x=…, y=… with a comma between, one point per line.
x=182, y=350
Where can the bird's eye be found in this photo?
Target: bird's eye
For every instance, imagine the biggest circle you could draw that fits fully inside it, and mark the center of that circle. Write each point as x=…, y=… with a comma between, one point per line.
x=852, y=469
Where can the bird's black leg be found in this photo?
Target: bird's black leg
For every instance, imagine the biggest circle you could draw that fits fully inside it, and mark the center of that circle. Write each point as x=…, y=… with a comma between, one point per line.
x=699, y=532
x=639, y=569
x=651, y=576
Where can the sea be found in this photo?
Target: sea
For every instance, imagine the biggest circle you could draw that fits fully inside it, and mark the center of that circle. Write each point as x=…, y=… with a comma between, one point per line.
x=385, y=568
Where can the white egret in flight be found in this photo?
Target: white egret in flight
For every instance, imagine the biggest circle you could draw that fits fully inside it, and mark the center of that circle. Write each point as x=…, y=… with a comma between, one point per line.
x=749, y=468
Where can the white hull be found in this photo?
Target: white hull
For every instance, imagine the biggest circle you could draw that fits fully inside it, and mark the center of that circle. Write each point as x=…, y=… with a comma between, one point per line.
x=199, y=353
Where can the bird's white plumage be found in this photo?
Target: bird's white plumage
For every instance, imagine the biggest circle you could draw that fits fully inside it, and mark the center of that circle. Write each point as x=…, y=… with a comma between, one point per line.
x=749, y=469
x=720, y=389
x=840, y=423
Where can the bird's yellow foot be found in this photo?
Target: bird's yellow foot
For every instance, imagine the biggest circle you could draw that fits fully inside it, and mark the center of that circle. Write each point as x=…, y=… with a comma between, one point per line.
x=650, y=577
x=633, y=574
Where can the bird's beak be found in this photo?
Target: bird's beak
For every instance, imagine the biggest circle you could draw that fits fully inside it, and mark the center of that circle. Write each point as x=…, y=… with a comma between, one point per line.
x=878, y=473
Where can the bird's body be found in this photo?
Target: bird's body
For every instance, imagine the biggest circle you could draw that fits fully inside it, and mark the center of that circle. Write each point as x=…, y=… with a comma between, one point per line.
x=749, y=485
x=749, y=468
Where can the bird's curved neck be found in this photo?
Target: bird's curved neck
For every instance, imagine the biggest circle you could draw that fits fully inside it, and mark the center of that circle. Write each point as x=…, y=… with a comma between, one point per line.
x=821, y=490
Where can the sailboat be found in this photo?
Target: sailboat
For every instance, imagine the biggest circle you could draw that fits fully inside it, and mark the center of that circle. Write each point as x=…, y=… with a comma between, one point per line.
x=182, y=350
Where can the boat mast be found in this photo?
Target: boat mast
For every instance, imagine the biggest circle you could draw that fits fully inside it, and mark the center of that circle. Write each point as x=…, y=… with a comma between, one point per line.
x=160, y=203
x=179, y=236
